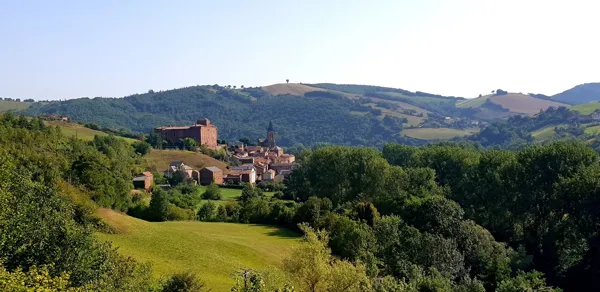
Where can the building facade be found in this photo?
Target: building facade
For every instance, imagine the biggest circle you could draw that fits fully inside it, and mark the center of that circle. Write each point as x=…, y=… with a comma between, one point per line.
x=211, y=174
x=203, y=132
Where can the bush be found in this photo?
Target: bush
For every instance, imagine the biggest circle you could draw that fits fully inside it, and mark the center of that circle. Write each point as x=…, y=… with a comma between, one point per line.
x=213, y=192
x=159, y=206
x=141, y=147
x=207, y=211
x=184, y=282
x=175, y=213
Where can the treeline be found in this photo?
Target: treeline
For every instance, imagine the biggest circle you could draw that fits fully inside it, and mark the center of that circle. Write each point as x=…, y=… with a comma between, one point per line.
x=464, y=218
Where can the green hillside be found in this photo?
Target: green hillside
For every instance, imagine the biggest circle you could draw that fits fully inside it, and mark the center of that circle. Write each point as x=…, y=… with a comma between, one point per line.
x=79, y=131
x=473, y=103
x=214, y=250
x=320, y=117
x=436, y=133
x=6, y=105
x=586, y=108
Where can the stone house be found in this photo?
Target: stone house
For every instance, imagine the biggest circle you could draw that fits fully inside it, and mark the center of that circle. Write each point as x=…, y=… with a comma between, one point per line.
x=143, y=181
x=211, y=174
x=202, y=132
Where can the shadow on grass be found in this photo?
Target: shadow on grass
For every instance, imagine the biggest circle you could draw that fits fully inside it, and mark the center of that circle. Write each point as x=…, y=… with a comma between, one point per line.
x=280, y=231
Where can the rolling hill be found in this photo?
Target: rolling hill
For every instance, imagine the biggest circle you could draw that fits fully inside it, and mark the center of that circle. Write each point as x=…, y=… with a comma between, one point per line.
x=580, y=94
x=213, y=250
x=586, y=108
x=505, y=105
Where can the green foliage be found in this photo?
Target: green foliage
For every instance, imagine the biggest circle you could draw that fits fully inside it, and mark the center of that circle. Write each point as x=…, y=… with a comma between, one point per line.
x=212, y=192
x=207, y=211
x=184, y=282
x=249, y=192
x=532, y=281
x=141, y=147
x=159, y=205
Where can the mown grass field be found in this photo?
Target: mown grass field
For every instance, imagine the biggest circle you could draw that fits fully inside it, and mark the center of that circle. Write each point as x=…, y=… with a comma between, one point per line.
x=228, y=195
x=160, y=160
x=473, y=102
x=436, y=133
x=213, y=250
x=586, y=108
x=524, y=104
x=76, y=130
x=6, y=106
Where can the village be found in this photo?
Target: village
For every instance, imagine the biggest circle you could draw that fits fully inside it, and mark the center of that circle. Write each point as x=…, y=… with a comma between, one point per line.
x=263, y=162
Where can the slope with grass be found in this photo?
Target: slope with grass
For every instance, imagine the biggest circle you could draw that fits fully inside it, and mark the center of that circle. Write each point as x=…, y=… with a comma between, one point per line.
x=473, y=102
x=437, y=133
x=79, y=131
x=586, y=108
x=213, y=250
x=160, y=159
x=9, y=106
x=290, y=88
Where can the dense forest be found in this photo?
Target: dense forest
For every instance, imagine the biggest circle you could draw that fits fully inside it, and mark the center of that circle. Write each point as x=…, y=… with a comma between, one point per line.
x=316, y=117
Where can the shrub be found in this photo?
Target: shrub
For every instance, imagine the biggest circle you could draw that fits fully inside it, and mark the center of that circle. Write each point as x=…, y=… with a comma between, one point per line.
x=141, y=147
x=207, y=211
x=213, y=192
x=184, y=282
x=175, y=213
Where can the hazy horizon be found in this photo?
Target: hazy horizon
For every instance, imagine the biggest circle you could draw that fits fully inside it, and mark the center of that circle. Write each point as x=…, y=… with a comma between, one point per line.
x=72, y=49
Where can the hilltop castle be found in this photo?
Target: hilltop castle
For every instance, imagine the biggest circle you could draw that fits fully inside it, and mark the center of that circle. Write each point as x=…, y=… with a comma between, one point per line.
x=203, y=132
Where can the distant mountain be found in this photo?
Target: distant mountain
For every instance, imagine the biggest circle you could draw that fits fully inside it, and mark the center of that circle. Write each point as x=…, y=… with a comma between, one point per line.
x=579, y=94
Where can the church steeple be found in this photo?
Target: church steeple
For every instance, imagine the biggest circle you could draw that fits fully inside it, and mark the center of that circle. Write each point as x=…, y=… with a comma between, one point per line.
x=270, y=135
x=270, y=129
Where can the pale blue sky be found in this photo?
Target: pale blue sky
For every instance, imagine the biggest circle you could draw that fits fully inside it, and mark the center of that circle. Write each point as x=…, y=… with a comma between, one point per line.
x=67, y=49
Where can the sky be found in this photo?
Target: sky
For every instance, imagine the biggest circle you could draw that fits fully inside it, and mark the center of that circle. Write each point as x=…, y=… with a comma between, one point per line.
x=68, y=49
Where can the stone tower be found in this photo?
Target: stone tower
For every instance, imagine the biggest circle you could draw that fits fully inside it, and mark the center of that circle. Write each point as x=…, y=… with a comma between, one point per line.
x=270, y=136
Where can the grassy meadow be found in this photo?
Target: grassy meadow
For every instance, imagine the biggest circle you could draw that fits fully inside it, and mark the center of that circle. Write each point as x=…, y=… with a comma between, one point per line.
x=76, y=130
x=6, y=106
x=436, y=133
x=586, y=108
x=213, y=250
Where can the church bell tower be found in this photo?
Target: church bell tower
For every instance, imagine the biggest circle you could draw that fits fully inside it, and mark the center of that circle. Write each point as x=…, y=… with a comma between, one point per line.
x=270, y=136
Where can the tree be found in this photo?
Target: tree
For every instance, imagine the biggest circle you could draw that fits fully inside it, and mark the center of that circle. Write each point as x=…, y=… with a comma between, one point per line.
x=250, y=191
x=207, y=211
x=314, y=269
x=287, y=81
x=159, y=205
x=234, y=87
x=155, y=140
x=188, y=144
x=141, y=147
x=212, y=192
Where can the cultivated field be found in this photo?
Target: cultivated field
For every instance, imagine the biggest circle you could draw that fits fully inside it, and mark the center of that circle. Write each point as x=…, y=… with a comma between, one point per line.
x=436, y=133
x=6, y=105
x=76, y=130
x=160, y=160
x=213, y=250
x=586, y=108
x=524, y=104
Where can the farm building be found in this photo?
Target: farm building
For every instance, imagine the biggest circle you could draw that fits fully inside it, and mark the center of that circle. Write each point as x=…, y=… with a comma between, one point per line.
x=211, y=174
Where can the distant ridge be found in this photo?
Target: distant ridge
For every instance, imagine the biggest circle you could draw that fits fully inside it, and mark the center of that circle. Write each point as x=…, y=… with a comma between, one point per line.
x=579, y=94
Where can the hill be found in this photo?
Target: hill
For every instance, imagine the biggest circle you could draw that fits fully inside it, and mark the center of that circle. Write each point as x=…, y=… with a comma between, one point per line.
x=580, y=94
x=214, y=250
x=290, y=88
x=79, y=131
x=320, y=116
x=505, y=105
x=586, y=108
x=7, y=105
x=160, y=159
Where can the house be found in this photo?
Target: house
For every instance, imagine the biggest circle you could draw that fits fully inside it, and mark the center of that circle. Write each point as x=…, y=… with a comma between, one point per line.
x=202, y=132
x=246, y=160
x=211, y=174
x=269, y=175
x=260, y=170
x=278, y=167
x=246, y=173
x=178, y=166
x=143, y=181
